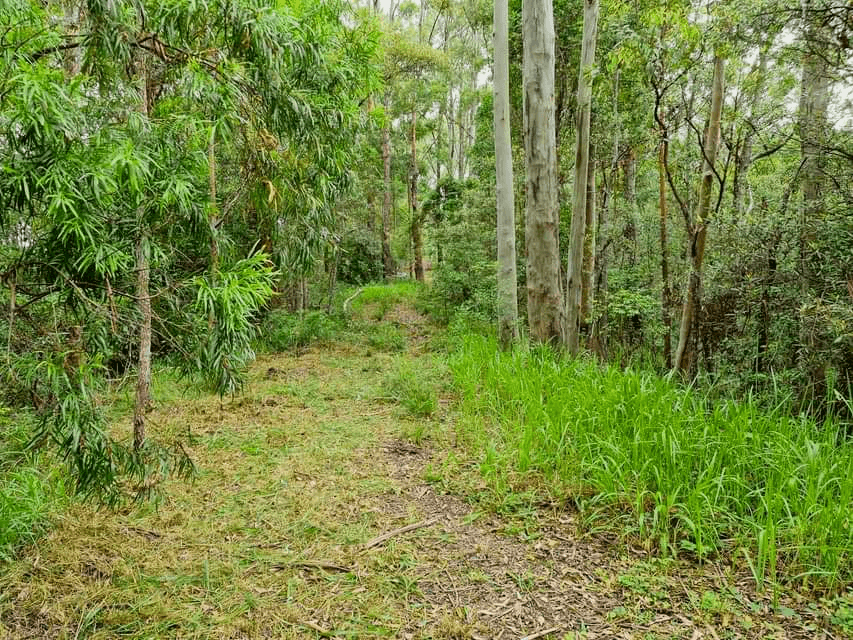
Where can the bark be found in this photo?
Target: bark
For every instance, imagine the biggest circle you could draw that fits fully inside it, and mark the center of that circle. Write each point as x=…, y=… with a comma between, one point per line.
x=13, y=281
x=387, y=258
x=812, y=128
x=72, y=58
x=598, y=334
x=213, y=218
x=333, y=279
x=698, y=228
x=588, y=270
x=629, y=190
x=507, y=277
x=544, y=297
x=371, y=211
x=451, y=133
x=666, y=291
x=143, y=375
x=574, y=265
x=417, y=231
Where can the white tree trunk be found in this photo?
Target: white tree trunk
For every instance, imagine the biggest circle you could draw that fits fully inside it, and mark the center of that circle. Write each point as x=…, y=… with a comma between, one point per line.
x=387, y=258
x=576, y=242
x=544, y=297
x=507, y=277
x=812, y=130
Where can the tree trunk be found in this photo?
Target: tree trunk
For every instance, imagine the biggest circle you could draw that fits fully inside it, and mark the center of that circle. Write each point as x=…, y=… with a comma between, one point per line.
x=666, y=291
x=588, y=270
x=13, y=282
x=743, y=158
x=507, y=277
x=387, y=258
x=812, y=128
x=143, y=375
x=629, y=190
x=574, y=266
x=371, y=211
x=333, y=278
x=544, y=297
x=72, y=58
x=213, y=218
x=698, y=228
x=598, y=334
x=417, y=231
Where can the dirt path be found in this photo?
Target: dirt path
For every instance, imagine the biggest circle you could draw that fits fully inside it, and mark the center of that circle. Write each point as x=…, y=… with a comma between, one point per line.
x=278, y=538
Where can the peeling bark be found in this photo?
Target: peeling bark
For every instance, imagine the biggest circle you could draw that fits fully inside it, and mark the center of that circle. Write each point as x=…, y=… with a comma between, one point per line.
x=507, y=277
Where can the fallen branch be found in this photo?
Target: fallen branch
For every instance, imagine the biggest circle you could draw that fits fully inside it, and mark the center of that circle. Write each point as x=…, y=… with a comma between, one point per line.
x=396, y=532
x=350, y=299
x=541, y=634
x=316, y=627
x=328, y=566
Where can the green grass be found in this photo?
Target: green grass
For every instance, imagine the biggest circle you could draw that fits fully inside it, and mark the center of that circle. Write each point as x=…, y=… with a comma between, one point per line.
x=29, y=493
x=414, y=386
x=282, y=331
x=641, y=455
x=377, y=300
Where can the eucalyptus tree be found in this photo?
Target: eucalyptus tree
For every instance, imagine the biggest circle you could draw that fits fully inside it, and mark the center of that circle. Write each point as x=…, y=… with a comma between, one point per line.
x=507, y=278
x=698, y=225
x=544, y=295
x=580, y=208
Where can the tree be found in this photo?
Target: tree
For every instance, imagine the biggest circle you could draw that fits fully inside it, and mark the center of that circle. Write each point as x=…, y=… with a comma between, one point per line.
x=507, y=279
x=544, y=295
x=697, y=228
x=580, y=211
x=126, y=241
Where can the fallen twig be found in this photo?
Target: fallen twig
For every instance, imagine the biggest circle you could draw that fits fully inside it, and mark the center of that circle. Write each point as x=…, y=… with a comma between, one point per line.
x=328, y=566
x=350, y=299
x=541, y=634
x=316, y=627
x=396, y=532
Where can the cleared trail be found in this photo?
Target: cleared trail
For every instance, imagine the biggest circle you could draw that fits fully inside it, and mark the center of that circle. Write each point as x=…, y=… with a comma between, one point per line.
x=323, y=509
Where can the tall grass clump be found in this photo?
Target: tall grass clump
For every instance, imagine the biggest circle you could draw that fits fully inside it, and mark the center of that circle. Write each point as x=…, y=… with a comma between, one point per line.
x=30, y=492
x=684, y=473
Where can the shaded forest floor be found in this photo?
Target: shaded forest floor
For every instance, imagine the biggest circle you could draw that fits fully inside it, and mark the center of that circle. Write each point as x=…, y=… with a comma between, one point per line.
x=296, y=527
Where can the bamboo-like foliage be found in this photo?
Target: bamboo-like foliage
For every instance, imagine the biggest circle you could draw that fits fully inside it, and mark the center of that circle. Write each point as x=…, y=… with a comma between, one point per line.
x=172, y=138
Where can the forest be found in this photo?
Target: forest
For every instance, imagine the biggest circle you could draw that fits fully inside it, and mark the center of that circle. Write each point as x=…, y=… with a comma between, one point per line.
x=426, y=319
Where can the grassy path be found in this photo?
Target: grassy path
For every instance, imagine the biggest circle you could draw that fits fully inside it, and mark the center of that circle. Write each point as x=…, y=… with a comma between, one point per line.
x=273, y=540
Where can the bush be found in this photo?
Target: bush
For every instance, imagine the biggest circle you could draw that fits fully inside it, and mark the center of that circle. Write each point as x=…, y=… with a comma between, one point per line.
x=361, y=258
x=281, y=330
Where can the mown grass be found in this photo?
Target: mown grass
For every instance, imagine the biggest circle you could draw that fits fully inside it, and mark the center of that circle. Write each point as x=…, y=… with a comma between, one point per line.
x=639, y=454
x=284, y=480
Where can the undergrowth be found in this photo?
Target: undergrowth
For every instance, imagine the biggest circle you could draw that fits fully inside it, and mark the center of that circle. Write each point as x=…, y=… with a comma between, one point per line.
x=685, y=474
x=30, y=493
x=363, y=322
